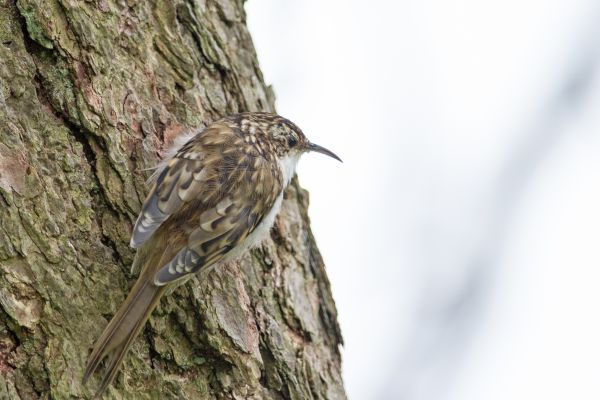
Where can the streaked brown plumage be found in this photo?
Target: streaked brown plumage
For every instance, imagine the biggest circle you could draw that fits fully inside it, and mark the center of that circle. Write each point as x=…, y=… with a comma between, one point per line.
x=217, y=196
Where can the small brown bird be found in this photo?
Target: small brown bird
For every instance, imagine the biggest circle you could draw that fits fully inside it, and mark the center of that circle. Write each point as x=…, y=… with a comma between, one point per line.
x=217, y=196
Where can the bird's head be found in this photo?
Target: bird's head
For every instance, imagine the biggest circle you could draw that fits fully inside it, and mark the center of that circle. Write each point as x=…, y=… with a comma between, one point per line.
x=286, y=138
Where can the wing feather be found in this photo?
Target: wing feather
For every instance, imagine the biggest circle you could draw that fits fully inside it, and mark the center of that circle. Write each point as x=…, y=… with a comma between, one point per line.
x=220, y=229
x=173, y=187
x=206, y=201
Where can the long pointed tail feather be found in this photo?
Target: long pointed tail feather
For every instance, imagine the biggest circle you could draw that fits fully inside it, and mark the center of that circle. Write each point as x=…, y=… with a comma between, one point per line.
x=122, y=330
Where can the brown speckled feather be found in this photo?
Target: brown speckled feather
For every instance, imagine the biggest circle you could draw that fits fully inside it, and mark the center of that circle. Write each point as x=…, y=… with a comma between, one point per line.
x=207, y=200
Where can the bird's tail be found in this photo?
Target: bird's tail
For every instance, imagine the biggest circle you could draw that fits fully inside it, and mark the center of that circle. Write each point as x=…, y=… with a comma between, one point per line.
x=122, y=330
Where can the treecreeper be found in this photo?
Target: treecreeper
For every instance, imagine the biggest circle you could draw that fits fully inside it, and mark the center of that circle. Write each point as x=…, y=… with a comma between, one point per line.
x=215, y=196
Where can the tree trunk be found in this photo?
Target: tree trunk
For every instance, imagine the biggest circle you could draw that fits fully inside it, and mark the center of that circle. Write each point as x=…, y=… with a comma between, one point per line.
x=91, y=94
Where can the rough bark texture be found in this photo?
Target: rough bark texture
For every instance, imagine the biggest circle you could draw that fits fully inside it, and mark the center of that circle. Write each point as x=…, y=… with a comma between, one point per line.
x=91, y=94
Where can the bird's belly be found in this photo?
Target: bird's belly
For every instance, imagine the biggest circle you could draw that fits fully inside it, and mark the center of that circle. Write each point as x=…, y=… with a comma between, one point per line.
x=258, y=234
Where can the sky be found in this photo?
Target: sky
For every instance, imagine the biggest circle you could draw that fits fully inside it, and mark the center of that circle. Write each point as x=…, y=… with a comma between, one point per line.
x=461, y=234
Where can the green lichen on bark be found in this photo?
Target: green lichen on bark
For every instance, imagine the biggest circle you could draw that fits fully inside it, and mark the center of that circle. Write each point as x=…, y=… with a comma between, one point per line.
x=91, y=94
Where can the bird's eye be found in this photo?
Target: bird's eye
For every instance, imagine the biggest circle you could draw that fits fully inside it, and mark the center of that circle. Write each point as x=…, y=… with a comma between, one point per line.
x=292, y=141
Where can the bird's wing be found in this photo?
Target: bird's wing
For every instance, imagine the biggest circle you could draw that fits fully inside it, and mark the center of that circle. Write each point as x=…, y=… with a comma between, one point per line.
x=175, y=185
x=221, y=229
x=253, y=186
x=207, y=200
x=179, y=181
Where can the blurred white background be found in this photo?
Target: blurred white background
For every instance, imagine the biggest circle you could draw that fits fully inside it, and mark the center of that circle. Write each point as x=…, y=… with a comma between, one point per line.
x=462, y=232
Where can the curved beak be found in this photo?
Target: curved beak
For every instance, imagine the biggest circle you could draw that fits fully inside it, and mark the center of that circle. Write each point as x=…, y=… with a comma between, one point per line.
x=323, y=150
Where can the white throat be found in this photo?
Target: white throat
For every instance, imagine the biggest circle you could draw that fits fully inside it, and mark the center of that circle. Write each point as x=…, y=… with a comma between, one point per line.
x=288, y=167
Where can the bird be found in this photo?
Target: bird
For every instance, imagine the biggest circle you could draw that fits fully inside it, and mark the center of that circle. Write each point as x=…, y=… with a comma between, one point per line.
x=214, y=196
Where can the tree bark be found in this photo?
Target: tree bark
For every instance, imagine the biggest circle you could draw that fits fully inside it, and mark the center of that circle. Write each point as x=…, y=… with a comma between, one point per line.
x=91, y=95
